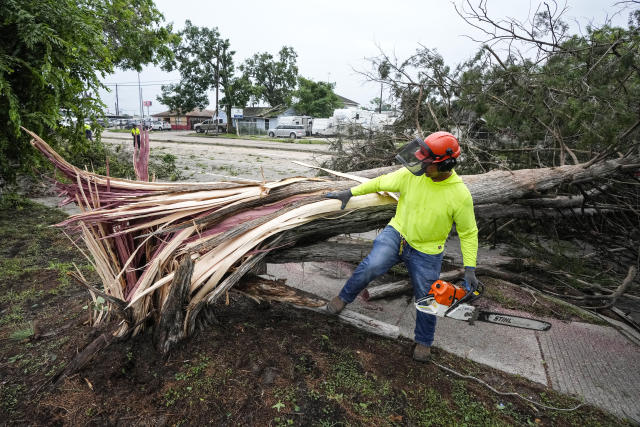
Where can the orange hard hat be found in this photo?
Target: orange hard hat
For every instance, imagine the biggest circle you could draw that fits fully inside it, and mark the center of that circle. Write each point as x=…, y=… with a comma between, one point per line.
x=440, y=146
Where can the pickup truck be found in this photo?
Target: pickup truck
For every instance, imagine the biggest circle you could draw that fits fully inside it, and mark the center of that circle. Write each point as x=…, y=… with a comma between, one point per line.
x=210, y=124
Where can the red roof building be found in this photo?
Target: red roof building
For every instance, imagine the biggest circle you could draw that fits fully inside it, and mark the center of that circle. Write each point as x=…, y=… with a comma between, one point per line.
x=184, y=121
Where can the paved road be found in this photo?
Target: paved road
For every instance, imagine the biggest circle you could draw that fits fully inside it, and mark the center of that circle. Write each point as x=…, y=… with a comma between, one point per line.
x=188, y=137
x=210, y=159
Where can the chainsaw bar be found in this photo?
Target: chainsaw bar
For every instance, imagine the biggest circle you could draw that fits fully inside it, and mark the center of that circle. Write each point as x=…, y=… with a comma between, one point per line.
x=509, y=320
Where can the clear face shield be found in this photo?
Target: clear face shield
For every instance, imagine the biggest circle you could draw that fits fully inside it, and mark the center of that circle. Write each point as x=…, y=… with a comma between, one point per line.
x=413, y=157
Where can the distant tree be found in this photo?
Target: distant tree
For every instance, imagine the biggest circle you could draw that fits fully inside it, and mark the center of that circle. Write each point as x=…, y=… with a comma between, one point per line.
x=315, y=99
x=52, y=56
x=205, y=62
x=275, y=80
x=183, y=97
x=375, y=105
x=237, y=88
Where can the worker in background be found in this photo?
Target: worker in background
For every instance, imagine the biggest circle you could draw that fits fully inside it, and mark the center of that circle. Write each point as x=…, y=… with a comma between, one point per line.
x=432, y=198
x=135, y=132
x=87, y=132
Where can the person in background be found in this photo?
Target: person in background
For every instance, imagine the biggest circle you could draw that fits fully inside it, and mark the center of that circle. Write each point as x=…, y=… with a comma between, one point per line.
x=135, y=132
x=87, y=132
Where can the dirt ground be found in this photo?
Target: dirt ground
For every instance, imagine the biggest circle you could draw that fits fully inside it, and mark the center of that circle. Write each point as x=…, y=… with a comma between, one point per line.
x=259, y=365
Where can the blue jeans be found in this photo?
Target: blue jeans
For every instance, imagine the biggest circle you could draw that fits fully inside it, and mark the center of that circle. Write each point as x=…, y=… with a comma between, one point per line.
x=389, y=249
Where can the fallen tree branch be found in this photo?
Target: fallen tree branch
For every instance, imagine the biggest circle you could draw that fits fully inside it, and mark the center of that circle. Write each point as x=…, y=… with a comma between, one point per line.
x=277, y=291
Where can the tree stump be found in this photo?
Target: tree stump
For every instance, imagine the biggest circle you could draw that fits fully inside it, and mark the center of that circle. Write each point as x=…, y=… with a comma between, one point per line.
x=169, y=330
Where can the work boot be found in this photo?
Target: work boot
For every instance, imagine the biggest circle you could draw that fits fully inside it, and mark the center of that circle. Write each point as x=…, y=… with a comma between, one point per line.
x=421, y=353
x=335, y=306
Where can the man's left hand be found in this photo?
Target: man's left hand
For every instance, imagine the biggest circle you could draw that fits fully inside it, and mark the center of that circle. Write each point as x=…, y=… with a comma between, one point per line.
x=470, y=279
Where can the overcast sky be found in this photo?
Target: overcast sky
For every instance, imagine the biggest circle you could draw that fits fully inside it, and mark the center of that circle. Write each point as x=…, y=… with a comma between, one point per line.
x=332, y=38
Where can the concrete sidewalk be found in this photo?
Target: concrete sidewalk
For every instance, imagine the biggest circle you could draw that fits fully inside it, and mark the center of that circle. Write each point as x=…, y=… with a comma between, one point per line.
x=594, y=363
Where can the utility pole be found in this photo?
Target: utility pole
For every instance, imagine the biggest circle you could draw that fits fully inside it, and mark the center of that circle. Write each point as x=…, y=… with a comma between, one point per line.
x=117, y=106
x=217, y=85
x=140, y=97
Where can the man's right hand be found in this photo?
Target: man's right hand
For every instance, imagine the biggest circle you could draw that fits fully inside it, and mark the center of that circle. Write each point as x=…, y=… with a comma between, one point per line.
x=343, y=196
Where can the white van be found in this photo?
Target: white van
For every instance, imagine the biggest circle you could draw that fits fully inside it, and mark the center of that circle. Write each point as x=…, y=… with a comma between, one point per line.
x=291, y=131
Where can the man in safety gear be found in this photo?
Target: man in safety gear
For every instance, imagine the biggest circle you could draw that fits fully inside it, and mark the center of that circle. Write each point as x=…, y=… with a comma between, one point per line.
x=432, y=198
x=135, y=132
x=87, y=132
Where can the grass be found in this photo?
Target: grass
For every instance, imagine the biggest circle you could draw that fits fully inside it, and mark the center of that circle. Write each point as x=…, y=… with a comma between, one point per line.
x=229, y=170
x=22, y=334
x=161, y=166
x=197, y=382
x=35, y=258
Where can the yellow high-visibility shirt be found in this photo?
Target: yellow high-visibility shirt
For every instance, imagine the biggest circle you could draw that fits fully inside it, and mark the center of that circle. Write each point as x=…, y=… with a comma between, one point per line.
x=135, y=131
x=427, y=210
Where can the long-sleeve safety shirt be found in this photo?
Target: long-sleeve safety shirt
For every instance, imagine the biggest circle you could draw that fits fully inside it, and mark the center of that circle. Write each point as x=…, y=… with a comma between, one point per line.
x=427, y=210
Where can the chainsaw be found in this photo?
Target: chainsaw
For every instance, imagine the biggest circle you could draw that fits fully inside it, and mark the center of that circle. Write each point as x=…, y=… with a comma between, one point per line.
x=448, y=300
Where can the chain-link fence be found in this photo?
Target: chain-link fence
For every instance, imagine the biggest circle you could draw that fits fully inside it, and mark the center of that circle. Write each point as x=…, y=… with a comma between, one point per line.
x=245, y=128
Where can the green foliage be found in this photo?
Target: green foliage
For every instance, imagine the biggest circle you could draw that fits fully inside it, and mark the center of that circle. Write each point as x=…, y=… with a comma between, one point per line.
x=52, y=55
x=584, y=96
x=183, y=97
x=205, y=61
x=359, y=150
x=377, y=105
x=531, y=97
x=274, y=80
x=22, y=334
x=161, y=166
x=315, y=98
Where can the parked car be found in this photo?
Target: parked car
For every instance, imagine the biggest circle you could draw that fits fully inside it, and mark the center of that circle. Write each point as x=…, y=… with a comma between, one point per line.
x=291, y=131
x=210, y=124
x=132, y=123
x=166, y=125
x=157, y=125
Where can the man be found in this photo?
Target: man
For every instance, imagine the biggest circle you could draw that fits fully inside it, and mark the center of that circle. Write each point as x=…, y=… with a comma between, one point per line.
x=87, y=132
x=135, y=132
x=432, y=197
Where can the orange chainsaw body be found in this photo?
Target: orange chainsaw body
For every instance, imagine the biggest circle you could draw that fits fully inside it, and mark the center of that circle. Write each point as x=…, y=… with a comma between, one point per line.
x=446, y=293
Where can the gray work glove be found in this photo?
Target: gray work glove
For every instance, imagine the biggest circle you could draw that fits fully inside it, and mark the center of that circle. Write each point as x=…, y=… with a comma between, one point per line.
x=343, y=196
x=470, y=279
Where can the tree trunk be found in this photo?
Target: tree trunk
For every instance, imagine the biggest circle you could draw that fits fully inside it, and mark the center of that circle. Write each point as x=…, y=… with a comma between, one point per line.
x=275, y=218
x=169, y=330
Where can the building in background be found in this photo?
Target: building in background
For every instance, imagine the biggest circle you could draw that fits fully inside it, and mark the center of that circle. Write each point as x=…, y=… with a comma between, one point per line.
x=184, y=121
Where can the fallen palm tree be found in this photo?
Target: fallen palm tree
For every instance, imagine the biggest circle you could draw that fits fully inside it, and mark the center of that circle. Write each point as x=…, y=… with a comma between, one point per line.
x=159, y=247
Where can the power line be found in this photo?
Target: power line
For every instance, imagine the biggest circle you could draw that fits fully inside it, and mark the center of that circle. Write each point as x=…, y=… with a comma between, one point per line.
x=136, y=85
x=149, y=82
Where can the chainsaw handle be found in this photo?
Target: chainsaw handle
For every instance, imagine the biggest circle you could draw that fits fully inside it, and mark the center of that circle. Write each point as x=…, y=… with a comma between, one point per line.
x=469, y=296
